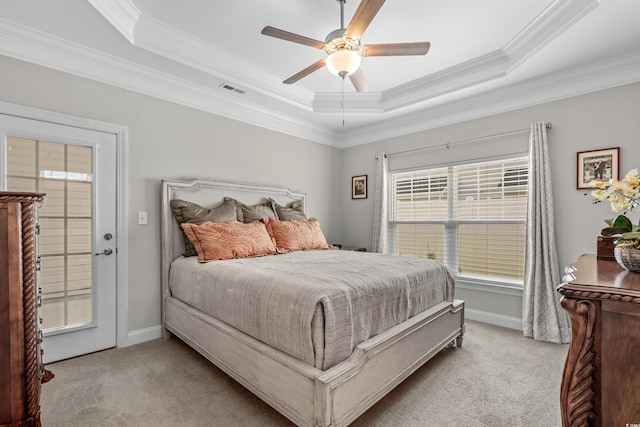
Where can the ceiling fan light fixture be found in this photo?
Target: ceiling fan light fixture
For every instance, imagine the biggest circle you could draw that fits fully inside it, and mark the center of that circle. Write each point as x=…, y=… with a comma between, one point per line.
x=343, y=47
x=343, y=62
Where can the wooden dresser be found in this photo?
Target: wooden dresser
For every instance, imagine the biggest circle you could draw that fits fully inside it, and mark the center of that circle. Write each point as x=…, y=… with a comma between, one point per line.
x=21, y=370
x=601, y=379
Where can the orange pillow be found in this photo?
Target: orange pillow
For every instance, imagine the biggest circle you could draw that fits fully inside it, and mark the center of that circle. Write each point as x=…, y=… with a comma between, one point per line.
x=296, y=235
x=227, y=240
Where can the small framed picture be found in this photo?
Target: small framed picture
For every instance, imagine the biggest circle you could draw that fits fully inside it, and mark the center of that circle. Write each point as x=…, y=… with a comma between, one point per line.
x=601, y=165
x=359, y=187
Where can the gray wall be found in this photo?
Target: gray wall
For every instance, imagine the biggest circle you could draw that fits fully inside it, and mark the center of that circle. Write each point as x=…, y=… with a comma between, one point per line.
x=170, y=141
x=603, y=119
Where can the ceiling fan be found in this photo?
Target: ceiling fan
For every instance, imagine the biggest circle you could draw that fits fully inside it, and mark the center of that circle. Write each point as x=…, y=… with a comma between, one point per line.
x=343, y=46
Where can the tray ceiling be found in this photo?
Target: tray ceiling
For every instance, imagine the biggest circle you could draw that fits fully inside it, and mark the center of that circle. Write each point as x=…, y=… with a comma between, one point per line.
x=485, y=57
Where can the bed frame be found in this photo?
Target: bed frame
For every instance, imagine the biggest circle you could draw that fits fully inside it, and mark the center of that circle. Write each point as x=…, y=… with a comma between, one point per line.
x=306, y=395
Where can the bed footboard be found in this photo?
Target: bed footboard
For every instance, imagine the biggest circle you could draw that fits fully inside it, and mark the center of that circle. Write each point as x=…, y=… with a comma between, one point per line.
x=307, y=395
x=381, y=363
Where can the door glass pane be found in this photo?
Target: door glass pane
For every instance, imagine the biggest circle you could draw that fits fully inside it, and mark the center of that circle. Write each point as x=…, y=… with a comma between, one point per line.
x=64, y=172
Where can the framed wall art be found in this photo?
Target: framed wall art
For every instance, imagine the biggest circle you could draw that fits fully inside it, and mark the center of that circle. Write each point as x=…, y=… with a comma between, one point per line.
x=601, y=165
x=359, y=187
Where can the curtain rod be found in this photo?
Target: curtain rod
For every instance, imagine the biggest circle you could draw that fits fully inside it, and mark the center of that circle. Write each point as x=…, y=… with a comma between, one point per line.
x=464, y=141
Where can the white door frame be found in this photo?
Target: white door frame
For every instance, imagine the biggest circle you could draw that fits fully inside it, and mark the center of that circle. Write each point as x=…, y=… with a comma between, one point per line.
x=122, y=206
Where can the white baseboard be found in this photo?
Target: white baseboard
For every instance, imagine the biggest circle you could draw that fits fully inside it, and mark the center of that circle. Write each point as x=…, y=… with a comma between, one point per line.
x=493, y=318
x=142, y=335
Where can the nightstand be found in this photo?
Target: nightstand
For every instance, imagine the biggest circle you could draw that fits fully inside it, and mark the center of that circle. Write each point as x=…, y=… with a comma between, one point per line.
x=353, y=248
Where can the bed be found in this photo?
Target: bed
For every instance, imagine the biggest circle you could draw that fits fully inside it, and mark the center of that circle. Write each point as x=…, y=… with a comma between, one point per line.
x=329, y=378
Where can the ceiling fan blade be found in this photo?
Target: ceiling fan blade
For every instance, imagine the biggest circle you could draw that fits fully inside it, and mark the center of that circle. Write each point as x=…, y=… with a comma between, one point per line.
x=310, y=69
x=365, y=13
x=359, y=81
x=296, y=38
x=395, y=49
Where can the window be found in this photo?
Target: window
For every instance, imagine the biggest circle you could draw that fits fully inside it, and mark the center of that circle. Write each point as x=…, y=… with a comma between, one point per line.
x=472, y=217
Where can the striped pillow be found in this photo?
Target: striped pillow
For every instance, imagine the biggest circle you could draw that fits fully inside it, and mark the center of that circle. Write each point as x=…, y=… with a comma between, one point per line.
x=227, y=240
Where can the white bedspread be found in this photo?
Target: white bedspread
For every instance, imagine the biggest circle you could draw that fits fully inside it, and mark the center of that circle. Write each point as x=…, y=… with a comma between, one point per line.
x=354, y=296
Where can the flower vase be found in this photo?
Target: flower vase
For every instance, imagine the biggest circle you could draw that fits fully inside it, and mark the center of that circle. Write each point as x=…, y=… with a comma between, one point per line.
x=628, y=257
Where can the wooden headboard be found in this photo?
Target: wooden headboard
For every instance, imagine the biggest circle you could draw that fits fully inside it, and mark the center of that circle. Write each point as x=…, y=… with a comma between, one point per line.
x=207, y=194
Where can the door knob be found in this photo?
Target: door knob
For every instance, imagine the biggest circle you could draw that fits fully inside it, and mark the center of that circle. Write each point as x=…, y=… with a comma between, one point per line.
x=108, y=251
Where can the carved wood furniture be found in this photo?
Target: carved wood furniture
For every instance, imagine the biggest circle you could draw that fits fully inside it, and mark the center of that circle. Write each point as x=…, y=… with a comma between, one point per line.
x=20, y=357
x=306, y=395
x=601, y=379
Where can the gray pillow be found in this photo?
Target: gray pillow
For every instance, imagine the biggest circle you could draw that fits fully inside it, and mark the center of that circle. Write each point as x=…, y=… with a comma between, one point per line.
x=189, y=212
x=295, y=210
x=251, y=213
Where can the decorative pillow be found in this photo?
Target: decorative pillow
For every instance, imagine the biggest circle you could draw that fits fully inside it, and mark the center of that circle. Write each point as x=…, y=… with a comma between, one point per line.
x=295, y=210
x=251, y=213
x=227, y=240
x=192, y=213
x=296, y=235
x=237, y=204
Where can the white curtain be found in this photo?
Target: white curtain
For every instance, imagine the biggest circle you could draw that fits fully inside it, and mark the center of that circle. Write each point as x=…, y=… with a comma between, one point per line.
x=381, y=208
x=543, y=318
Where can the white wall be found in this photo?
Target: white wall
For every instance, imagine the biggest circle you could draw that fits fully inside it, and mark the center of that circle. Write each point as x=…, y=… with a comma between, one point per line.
x=170, y=141
x=603, y=119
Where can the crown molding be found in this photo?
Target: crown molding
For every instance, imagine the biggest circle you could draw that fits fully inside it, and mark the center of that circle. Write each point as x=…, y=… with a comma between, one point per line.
x=157, y=37
x=33, y=46
x=547, y=26
x=122, y=14
x=368, y=102
x=550, y=24
x=470, y=73
x=553, y=87
x=169, y=42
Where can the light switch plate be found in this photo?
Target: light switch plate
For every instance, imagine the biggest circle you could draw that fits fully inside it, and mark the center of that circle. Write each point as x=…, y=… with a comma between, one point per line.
x=142, y=218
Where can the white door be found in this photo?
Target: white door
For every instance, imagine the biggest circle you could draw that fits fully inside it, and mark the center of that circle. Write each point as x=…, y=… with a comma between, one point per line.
x=76, y=168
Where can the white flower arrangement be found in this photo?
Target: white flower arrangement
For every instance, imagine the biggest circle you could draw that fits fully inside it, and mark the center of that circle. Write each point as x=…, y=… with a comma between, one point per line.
x=624, y=196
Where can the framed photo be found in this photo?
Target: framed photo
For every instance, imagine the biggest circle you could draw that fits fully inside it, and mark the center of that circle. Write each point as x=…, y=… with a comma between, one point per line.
x=359, y=187
x=601, y=165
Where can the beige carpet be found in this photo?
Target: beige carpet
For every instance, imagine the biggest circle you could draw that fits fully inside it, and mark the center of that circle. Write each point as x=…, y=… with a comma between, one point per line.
x=497, y=378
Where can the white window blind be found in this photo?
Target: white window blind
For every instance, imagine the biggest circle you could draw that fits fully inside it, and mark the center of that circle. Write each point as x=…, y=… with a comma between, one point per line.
x=471, y=217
